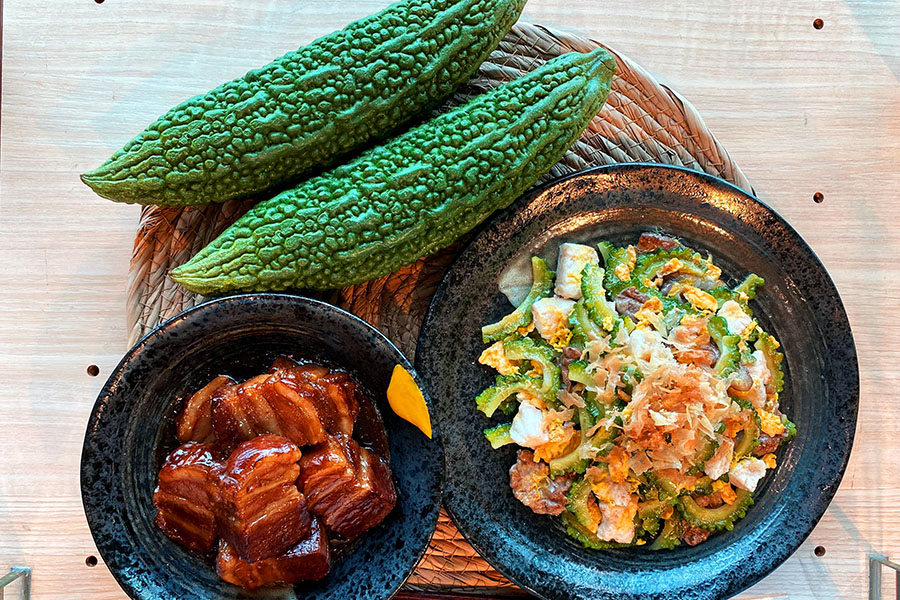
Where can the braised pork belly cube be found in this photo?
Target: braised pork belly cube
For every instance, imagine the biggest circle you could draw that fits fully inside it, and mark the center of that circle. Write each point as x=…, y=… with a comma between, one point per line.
x=307, y=560
x=347, y=486
x=182, y=499
x=258, y=508
x=333, y=393
x=195, y=421
x=265, y=404
x=342, y=391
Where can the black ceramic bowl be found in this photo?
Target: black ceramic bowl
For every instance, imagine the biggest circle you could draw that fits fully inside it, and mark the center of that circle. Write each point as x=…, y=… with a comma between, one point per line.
x=131, y=428
x=798, y=303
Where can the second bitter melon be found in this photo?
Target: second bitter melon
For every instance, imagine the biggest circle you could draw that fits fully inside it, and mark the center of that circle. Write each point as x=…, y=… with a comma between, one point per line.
x=417, y=193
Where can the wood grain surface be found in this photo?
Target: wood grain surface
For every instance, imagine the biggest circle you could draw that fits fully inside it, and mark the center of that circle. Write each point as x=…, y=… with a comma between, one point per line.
x=801, y=110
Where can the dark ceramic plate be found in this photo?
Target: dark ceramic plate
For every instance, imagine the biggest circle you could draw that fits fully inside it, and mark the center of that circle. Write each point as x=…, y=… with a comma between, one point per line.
x=131, y=428
x=799, y=303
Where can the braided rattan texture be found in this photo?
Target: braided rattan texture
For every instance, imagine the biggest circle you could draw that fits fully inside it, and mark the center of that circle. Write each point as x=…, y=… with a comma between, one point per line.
x=642, y=121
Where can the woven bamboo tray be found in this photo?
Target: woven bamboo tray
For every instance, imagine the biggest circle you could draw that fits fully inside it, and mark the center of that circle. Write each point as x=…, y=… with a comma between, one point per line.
x=642, y=121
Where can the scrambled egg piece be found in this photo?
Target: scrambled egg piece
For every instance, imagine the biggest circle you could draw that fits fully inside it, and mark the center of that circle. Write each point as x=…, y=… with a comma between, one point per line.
x=551, y=319
x=572, y=260
x=732, y=426
x=675, y=289
x=673, y=266
x=648, y=313
x=770, y=424
x=770, y=461
x=608, y=323
x=689, y=320
x=745, y=334
x=618, y=465
x=623, y=271
x=667, y=513
x=527, y=329
x=561, y=442
x=699, y=299
x=725, y=491
x=712, y=271
x=494, y=356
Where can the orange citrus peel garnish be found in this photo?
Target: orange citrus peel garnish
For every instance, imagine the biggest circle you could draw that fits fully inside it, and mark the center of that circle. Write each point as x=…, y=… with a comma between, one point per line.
x=407, y=401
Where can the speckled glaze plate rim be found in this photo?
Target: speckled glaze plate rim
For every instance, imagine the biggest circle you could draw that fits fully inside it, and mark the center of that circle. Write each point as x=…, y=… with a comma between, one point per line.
x=498, y=230
x=195, y=312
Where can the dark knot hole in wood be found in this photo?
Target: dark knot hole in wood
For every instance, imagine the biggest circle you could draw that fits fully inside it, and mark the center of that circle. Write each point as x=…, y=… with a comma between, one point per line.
x=91, y=560
x=93, y=370
x=819, y=551
x=817, y=24
x=818, y=197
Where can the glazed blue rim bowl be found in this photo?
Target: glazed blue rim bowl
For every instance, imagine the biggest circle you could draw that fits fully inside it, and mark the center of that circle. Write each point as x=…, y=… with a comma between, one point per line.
x=131, y=428
x=798, y=303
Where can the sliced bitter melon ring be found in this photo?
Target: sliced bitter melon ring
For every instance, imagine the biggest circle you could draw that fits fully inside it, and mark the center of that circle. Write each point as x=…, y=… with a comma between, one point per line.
x=716, y=519
x=539, y=351
x=506, y=386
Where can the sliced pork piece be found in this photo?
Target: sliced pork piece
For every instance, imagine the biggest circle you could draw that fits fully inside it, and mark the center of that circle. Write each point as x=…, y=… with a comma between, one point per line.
x=334, y=393
x=691, y=535
x=182, y=500
x=348, y=486
x=629, y=301
x=532, y=485
x=230, y=422
x=265, y=404
x=768, y=444
x=258, y=508
x=650, y=242
x=307, y=560
x=304, y=380
x=297, y=415
x=343, y=394
x=194, y=424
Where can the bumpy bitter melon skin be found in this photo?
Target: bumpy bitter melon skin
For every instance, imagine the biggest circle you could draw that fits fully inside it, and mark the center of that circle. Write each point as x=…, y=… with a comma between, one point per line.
x=308, y=108
x=412, y=196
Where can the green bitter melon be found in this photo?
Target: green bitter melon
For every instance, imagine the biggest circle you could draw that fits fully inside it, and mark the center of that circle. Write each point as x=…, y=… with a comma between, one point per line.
x=412, y=196
x=541, y=287
x=308, y=108
x=539, y=351
x=716, y=519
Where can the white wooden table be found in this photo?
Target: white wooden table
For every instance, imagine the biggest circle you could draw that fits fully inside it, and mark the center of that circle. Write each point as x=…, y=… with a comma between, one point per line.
x=802, y=110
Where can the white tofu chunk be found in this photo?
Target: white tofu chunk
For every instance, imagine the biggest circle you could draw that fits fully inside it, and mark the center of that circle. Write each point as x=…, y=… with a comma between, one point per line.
x=647, y=346
x=571, y=262
x=747, y=473
x=551, y=316
x=759, y=373
x=529, y=428
x=718, y=464
x=735, y=316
